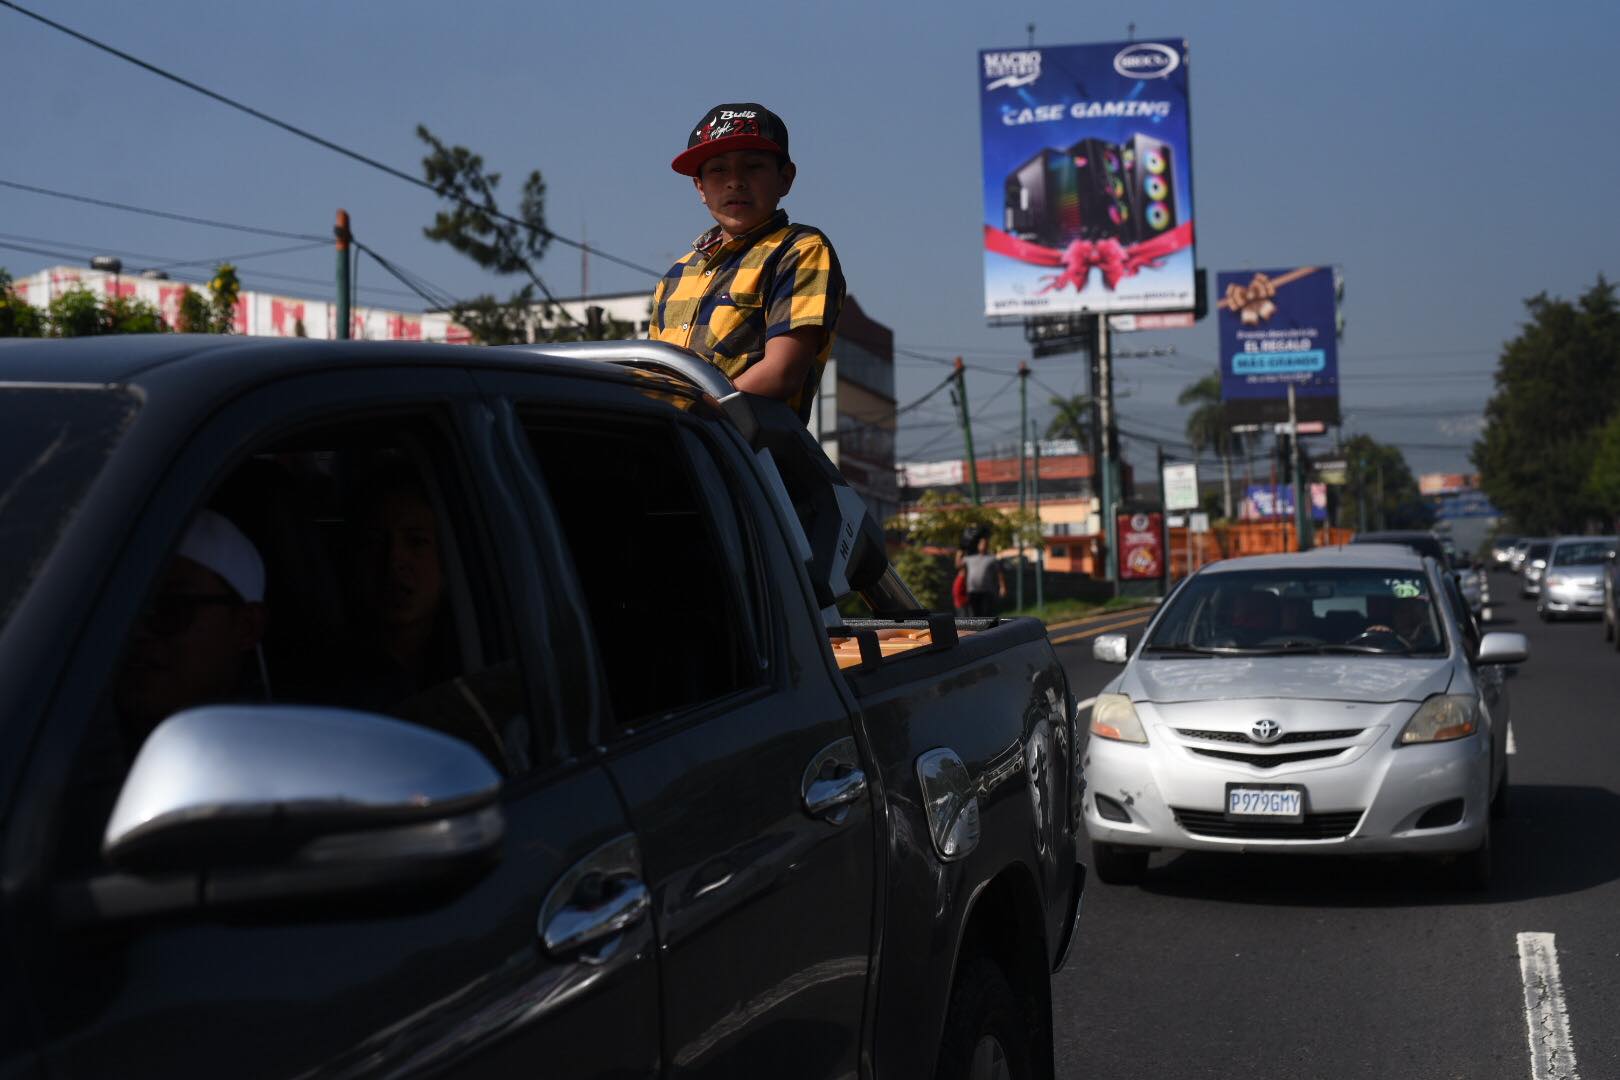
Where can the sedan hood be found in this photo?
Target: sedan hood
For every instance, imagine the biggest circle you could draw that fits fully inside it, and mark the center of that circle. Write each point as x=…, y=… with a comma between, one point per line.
x=1320, y=678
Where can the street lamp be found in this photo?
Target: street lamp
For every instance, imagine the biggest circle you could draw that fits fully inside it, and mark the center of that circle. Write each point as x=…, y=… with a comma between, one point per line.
x=110, y=263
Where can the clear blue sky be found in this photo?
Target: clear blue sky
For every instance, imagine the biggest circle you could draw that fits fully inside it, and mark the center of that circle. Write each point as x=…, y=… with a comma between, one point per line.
x=1452, y=158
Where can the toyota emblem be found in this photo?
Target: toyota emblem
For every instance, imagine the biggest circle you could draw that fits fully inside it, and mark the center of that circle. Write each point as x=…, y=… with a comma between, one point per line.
x=1265, y=731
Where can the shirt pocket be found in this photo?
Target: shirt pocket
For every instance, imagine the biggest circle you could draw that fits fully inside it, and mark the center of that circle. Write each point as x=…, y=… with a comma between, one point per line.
x=735, y=326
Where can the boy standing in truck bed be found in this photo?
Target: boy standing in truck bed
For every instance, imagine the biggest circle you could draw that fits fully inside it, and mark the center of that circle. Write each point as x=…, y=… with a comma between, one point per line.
x=756, y=296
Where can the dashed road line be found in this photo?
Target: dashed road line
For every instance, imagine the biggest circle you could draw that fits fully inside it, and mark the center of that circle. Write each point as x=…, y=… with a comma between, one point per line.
x=1082, y=706
x=1512, y=747
x=1552, y=1051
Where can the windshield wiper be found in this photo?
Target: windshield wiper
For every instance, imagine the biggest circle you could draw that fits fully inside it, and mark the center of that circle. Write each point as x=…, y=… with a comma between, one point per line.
x=1307, y=648
x=1182, y=648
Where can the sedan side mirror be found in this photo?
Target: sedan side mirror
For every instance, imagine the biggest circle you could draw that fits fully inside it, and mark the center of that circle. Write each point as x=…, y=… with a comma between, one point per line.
x=264, y=803
x=1501, y=647
x=1111, y=648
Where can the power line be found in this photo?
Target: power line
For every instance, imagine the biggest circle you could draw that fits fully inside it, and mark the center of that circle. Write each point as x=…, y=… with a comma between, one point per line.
x=325, y=143
x=436, y=297
x=70, y=256
x=187, y=218
x=161, y=263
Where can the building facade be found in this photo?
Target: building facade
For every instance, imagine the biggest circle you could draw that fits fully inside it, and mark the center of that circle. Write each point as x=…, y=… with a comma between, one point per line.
x=258, y=314
x=1068, y=504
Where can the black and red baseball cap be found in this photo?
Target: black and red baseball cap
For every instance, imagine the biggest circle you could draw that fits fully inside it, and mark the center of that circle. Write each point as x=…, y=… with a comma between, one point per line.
x=743, y=125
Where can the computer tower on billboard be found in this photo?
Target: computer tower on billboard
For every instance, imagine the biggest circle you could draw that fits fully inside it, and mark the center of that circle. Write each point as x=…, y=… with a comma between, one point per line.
x=1150, y=168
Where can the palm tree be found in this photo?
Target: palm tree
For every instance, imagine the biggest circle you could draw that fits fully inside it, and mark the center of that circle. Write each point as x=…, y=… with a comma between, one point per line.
x=1073, y=420
x=1207, y=426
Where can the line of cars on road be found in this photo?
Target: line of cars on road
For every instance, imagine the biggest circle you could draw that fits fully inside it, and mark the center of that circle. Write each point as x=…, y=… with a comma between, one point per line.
x=1565, y=575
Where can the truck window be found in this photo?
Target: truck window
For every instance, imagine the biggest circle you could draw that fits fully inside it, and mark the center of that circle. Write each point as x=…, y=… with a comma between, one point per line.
x=671, y=628
x=359, y=558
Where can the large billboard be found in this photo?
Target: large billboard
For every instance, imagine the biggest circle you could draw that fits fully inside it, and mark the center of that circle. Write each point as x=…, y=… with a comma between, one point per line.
x=1278, y=329
x=1087, y=179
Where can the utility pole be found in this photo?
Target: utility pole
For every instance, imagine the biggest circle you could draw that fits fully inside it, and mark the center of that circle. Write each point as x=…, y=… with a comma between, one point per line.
x=1110, y=447
x=1378, y=504
x=1164, y=524
x=1040, y=551
x=1302, y=498
x=1023, y=426
x=341, y=231
x=967, y=429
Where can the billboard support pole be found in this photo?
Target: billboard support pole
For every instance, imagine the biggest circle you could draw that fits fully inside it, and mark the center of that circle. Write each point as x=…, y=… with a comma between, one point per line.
x=1110, y=478
x=1023, y=425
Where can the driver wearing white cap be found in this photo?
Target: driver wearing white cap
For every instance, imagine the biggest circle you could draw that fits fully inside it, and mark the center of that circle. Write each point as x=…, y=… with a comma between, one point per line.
x=192, y=643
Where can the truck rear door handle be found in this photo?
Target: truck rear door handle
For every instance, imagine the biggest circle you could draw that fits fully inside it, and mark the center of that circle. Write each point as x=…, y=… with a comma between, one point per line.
x=833, y=781
x=599, y=898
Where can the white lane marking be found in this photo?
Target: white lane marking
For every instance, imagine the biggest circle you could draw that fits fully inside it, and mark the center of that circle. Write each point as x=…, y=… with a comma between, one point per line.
x=1513, y=747
x=1552, y=1053
x=1090, y=701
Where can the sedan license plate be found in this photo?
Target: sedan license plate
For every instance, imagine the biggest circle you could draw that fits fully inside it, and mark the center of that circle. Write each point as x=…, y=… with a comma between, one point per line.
x=1280, y=802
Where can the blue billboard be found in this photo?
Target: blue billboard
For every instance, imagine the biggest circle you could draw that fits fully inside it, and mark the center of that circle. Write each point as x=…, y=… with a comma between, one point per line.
x=1087, y=179
x=1267, y=502
x=1278, y=328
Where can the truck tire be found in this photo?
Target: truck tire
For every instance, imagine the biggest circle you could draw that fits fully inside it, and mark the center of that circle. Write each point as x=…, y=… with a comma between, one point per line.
x=987, y=1035
x=1118, y=865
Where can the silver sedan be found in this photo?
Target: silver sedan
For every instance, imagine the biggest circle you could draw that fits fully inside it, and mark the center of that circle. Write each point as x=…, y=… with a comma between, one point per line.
x=1573, y=583
x=1337, y=701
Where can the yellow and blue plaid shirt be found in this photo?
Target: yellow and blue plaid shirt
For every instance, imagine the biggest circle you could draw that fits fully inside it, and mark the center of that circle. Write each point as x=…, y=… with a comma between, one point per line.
x=726, y=298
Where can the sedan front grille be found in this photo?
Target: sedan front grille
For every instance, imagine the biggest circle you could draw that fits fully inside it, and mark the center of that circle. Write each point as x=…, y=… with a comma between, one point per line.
x=1291, y=737
x=1215, y=824
x=1268, y=761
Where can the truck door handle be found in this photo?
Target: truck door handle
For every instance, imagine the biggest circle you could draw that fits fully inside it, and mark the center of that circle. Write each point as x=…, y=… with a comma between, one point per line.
x=573, y=927
x=599, y=897
x=833, y=781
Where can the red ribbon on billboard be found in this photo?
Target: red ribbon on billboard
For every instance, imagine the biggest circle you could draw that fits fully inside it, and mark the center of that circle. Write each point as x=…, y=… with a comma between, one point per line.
x=1115, y=260
x=1141, y=548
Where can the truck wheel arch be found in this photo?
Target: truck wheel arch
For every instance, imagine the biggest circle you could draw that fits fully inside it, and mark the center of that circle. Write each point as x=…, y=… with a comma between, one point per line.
x=1004, y=923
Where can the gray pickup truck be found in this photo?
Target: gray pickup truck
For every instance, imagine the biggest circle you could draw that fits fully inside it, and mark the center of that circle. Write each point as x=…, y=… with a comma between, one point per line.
x=636, y=801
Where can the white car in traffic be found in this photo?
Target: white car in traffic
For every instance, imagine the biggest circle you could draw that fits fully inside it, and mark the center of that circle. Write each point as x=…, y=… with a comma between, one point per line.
x=1336, y=701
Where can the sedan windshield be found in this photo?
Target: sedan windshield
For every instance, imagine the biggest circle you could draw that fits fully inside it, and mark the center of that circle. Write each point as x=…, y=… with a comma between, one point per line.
x=1318, y=610
x=1582, y=553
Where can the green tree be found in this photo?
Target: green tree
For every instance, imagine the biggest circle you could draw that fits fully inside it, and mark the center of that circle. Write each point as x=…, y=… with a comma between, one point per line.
x=18, y=318
x=216, y=312
x=1603, y=481
x=939, y=520
x=79, y=312
x=1072, y=421
x=1207, y=426
x=1557, y=385
x=928, y=577
x=75, y=313
x=1379, y=481
x=472, y=222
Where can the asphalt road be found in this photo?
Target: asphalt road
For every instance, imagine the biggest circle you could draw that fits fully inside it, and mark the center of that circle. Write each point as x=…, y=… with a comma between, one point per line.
x=1260, y=968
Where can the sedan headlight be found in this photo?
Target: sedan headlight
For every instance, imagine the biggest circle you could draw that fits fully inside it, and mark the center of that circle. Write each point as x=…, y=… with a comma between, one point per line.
x=1114, y=717
x=1555, y=581
x=1440, y=719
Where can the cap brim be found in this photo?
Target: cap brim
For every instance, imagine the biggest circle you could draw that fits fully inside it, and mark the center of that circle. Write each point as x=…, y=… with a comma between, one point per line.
x=689, y=162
